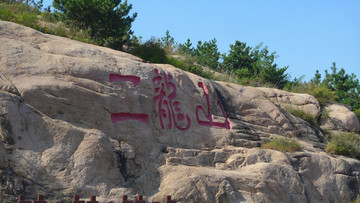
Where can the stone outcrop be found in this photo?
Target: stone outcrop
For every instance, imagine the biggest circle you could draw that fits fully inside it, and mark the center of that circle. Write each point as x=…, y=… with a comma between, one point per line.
x=339, y=117
x=234, y=174
x=78, y=118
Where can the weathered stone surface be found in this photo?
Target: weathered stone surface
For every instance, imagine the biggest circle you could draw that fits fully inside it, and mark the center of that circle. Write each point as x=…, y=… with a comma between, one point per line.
x=255, y=175
x=303, y=102
x=60, y=133
x=340, y=118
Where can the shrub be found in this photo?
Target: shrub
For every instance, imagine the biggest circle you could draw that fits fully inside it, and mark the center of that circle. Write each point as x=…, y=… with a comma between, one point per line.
x=283, y=144
x=190, y=67
x=302, y=114
x=347, y=144
x=27, y=19
x=6, y=14
x=19, y=13
x=151, y=51
x=44, y=22
x=323, y=94
x=50, y=17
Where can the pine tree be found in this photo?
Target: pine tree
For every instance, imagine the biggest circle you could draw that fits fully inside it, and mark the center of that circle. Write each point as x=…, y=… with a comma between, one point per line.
x=107, y=20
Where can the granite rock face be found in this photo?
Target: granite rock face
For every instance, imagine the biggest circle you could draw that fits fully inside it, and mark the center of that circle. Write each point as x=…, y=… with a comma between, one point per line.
x=340, y=118
x=78, y=118
x=235, y=174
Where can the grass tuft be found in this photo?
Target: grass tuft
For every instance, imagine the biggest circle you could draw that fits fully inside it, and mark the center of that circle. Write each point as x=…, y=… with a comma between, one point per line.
x=302, y=114
x=283, y=144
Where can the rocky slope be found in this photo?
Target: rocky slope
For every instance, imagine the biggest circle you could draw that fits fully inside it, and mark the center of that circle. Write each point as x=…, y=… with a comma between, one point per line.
x=78, y=118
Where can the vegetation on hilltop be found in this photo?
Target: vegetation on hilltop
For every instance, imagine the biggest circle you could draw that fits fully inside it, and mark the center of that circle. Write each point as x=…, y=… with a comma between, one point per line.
x=337, y=86
x=31, y=15
x=254, y=65
x=107, y=21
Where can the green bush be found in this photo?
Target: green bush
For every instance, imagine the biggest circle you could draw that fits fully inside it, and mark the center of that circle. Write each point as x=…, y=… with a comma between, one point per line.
x=302, y=114
x=323, y=94
x=283, y=144
x=6, y=14
x=27, y=19
x=17, y=7
x=347, y=144
x=50, y=17
x=190, y=67
x=151, y=51
x=20, y=13
x=45, y=22
x=337, y=86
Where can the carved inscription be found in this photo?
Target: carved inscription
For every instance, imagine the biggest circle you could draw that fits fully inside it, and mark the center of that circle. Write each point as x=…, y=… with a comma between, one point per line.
x=123, y=116
x=168, y=107
x=210, y=118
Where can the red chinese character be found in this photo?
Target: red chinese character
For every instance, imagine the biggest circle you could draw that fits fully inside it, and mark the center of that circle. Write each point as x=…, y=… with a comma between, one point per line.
x=167, y=107
x=123, y=116
x=210, y=118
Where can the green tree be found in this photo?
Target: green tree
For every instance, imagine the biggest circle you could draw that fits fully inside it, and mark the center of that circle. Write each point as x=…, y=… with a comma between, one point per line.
x=108, y=21
x=274, y=75
x=239, y=58
x=186, y=48
x=207, y=53
x=265, y=66
x=346, y=86
x=254, y=64
x=168, y=42
x=317, y=78
x=291, y=85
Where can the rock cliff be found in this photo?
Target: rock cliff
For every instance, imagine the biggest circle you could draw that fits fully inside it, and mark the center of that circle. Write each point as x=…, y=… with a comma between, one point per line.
x=78, y=118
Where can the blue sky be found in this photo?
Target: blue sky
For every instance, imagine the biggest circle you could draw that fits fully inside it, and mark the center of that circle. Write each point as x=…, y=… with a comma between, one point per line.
x=307, y=35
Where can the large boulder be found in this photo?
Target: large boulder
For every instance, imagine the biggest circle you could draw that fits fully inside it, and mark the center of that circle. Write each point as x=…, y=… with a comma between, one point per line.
x=339, y=117
x=78, y=118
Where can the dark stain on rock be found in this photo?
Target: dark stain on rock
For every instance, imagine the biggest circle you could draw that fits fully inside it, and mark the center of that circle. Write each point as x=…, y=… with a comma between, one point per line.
x=224, y=97
x=121, y=164
x=6, y=131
